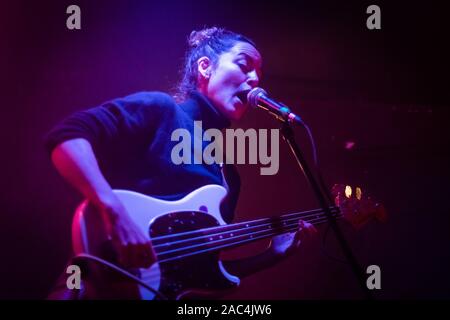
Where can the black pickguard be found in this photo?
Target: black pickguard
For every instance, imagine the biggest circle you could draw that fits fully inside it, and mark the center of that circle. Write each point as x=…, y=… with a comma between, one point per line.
x=197, y=272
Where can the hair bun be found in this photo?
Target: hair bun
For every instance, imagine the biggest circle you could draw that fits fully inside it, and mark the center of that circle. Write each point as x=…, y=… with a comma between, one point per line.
x=197, y=37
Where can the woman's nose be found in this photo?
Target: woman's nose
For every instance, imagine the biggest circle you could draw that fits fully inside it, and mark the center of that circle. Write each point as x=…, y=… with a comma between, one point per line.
x=253, y=79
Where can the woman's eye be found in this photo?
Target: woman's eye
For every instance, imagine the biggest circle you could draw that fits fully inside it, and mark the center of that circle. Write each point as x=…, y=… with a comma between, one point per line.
x=243, y=67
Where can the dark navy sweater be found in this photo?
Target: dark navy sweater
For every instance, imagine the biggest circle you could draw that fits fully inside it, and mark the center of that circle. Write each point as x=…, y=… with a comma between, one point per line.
x=131, y=139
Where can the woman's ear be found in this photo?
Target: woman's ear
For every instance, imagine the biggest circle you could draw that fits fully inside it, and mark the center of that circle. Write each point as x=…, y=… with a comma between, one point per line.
x=204, y=67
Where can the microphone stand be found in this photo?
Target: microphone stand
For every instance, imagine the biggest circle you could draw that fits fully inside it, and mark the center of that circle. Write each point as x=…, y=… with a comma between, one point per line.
x=321, y=195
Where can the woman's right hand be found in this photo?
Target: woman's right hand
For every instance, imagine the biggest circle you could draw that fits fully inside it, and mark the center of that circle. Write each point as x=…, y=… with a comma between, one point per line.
x=76, y=162
x=134, y=249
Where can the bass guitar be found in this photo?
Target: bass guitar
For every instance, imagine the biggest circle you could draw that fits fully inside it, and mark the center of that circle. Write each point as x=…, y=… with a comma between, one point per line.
x=187, y=236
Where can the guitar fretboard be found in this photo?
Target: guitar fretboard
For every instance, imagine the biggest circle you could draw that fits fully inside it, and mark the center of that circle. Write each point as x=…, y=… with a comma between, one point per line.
x=185, y=244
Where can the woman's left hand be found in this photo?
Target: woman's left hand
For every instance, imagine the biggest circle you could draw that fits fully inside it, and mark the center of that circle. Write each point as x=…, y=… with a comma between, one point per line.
x=287, y=243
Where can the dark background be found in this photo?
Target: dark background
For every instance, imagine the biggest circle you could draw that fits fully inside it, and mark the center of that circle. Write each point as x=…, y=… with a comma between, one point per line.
x=384, y=90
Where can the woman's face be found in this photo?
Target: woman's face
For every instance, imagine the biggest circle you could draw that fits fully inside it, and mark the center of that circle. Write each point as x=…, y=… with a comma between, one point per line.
x=236, y=72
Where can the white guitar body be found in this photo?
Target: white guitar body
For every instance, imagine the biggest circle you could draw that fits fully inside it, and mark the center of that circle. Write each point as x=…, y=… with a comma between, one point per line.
x=197, y=210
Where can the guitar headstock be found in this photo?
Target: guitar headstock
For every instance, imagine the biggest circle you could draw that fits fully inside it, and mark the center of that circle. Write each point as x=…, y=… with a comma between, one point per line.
x=355, y=207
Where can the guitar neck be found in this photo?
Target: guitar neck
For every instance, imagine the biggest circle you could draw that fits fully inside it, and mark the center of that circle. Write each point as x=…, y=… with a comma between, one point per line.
x=177, y=246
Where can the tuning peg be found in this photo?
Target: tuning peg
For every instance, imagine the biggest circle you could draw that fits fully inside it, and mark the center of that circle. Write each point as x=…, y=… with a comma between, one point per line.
x=358, y=193
x=348, y=191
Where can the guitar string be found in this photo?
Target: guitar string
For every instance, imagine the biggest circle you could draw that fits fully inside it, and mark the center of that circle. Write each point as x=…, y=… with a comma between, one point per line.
x=186, y=244
x=291, y=227
x=231, y=227
x=155, y=275
x=319, y=218
x=215, y=248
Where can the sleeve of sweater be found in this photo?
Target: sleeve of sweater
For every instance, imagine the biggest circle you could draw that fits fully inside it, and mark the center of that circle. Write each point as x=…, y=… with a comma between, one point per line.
x=113, y=121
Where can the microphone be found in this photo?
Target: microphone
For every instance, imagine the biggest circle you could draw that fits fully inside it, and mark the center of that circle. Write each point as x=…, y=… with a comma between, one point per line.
x=258, y=97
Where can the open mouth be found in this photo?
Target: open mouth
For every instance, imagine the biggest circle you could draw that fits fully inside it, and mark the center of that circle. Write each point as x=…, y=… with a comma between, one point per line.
x=242, y=95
